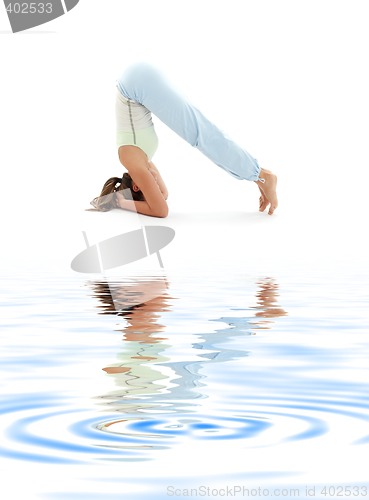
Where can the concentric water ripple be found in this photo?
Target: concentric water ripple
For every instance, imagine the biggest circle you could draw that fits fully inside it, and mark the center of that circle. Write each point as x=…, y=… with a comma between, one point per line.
x=266, y=422
x=199, y=427
x=39, y=429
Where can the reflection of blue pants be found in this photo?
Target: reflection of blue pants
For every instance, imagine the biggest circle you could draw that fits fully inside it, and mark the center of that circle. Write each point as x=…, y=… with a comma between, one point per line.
x=144, y=85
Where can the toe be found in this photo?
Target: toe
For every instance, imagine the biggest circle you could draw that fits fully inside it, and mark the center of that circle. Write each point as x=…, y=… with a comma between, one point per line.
x=263, y=205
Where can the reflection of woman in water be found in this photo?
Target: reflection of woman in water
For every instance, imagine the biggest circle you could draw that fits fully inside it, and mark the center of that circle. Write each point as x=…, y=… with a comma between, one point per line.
x=140, y=369
x=142, y=91
x=266, y=309
x=267, y=299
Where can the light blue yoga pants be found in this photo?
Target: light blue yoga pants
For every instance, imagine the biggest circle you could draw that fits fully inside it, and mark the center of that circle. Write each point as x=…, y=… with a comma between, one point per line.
x=144, y=85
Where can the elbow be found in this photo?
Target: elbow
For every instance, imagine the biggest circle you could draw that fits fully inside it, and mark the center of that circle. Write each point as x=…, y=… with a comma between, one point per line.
x=162, y=213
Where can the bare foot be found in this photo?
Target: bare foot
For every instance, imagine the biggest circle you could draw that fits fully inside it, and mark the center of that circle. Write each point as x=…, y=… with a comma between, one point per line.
x=267, y=186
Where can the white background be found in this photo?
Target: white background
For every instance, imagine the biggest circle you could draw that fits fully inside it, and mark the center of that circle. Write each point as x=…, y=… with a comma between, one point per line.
x=286, y=79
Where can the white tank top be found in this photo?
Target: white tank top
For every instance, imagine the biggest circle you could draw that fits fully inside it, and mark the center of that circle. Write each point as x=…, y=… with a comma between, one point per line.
x=131, y=115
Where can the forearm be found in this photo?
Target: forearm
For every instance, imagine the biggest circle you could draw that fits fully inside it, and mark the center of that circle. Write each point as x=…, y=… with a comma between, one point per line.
x=162, y=187
x=141, y=207
x=159, y=180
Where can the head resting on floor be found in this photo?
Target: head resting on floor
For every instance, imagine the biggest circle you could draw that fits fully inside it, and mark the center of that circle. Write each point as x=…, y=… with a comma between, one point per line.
x=112, y=185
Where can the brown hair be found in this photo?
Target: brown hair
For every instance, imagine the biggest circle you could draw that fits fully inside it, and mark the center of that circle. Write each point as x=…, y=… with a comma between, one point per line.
x=111, y=186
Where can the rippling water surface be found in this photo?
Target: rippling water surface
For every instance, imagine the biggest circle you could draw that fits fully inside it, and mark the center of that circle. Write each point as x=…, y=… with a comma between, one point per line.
x=176, y=386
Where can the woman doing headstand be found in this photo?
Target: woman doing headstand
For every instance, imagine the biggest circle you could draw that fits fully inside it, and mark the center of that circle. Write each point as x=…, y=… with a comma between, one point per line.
x=141, y=91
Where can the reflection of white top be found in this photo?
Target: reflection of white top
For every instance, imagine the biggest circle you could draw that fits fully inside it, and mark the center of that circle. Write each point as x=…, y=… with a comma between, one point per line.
x=131, y=115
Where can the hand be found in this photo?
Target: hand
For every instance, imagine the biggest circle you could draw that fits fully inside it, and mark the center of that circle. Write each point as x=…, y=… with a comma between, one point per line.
x=153, y=172
x=118, y=199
